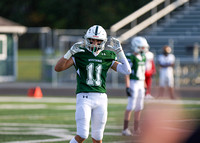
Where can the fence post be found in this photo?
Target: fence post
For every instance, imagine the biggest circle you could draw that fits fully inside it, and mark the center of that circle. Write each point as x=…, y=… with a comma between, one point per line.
x=167, y=2
x=196, y=52
x=154, y=11
x=171, y=44
x=177, y=73
x=54, y=77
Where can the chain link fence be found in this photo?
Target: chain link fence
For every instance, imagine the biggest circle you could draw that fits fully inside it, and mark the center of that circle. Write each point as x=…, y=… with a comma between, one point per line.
x=37, y=63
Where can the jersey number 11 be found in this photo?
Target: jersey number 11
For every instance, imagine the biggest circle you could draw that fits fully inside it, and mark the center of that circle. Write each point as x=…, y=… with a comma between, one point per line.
x=90, y=78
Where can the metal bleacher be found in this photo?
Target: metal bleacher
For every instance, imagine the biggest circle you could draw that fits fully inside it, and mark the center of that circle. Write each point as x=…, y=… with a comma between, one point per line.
x=181, y=31
x=167, y=22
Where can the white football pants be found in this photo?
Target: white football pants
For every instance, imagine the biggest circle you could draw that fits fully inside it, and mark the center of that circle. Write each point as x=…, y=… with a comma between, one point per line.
x=91, y=106
x=136, y=101
x=166, y=78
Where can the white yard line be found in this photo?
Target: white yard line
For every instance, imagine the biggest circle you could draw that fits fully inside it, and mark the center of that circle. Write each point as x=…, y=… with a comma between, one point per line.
x=61, y=132
x=175, y=102
x=41, y=141
x=36, y=100
x=23, y=106
x=38, y=125
x=73, y=100
x=36, y=106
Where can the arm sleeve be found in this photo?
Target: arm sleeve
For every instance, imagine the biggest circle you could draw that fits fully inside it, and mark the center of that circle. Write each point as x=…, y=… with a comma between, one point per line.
x=124, y=66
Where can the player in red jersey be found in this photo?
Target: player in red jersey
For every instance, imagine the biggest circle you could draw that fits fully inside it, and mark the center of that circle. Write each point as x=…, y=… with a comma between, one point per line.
x=149, y=72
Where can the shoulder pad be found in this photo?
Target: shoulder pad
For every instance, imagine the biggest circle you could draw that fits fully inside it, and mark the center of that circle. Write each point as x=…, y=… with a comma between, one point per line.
x=128, y=54
x=109, y=54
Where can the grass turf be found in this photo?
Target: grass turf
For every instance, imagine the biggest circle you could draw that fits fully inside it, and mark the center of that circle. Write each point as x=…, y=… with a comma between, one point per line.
x=25, y=118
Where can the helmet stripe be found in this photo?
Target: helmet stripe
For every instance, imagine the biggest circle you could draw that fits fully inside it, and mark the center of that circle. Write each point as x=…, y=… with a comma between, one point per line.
x=96, y=30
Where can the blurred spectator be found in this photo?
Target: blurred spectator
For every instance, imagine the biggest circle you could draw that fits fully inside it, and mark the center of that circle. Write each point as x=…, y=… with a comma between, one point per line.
x=166, y=63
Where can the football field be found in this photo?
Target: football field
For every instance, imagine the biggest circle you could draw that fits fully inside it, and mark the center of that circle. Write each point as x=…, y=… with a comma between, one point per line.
x=52, y=119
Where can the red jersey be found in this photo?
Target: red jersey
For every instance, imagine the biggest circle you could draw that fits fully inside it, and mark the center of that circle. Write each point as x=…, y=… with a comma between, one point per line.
x=150, y=65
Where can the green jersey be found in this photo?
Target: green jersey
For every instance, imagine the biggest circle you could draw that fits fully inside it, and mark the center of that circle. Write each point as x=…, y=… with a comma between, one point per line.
x=92, y=70
x=137, y=64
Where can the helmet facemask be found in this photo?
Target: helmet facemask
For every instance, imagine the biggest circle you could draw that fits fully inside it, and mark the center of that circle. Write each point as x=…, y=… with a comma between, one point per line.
x=136, y=49
x=98, y=33
x=144, y=49
x=95, y=48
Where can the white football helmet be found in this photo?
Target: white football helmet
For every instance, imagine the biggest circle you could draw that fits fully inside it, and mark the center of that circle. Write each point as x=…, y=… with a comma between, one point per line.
x=95, y=32
x=139, y=44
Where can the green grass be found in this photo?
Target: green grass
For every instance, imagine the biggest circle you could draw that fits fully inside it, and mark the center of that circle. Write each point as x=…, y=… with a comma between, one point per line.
x=29, y=65
x=29, y=52
x=25, y=118
x=6, y=138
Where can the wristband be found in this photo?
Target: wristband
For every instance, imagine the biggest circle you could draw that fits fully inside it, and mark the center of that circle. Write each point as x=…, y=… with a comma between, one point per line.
x=68, y=55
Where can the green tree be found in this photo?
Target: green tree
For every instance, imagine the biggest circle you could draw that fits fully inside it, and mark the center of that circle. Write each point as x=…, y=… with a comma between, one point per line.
x=68, y=14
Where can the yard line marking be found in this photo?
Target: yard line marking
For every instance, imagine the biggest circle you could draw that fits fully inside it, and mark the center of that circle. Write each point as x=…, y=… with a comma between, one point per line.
x=37, y=125
x=61, y=132
x=73, y=100
x=127, y=141
x=66, y=118
x=36, y=106
x=35, y=100
x=23, y=106
x=40, y=141
x=175, y=102
x=177, y=129
x=66, y=107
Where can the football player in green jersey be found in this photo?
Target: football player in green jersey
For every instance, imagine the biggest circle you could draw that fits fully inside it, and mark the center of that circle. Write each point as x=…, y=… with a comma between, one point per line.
x=135, y=84
x=92, y=63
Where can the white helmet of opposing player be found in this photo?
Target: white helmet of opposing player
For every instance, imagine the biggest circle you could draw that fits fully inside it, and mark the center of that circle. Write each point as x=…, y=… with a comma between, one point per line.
x=95, y=32
x=139, y=44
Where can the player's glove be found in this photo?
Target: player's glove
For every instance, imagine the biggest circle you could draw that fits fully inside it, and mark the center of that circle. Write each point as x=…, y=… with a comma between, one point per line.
x=129, y=91
x=115, y=45
x=74, y=49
